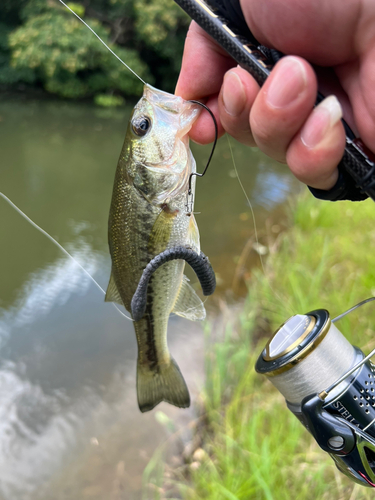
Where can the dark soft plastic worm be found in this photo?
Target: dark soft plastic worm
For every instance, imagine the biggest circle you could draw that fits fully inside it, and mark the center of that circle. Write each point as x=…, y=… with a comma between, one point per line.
x=199, y=263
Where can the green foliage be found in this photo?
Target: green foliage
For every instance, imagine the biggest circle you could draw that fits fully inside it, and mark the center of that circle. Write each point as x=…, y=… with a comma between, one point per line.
x=117, y=11
x=77, y=8
x=41, y=43
x=161, y=25
x=8, y=74
x=33, y=8
x=68, y=60
x=10, y=11
x=109, y=101
x=157, y=20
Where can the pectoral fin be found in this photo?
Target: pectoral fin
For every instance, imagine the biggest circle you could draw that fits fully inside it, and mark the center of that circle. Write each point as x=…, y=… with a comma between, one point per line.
x=161, y=232
x=112, y=294
x=193, y=235
x=188, y=304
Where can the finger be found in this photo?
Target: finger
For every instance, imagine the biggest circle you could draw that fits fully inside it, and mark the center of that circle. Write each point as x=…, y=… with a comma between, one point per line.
x=203, y=130
x=204, y=64
x=359, y=83
x=283, y=105
x=329, y=83
x=203, y=67
x=236, y=98
x=320, y=31
x=316, y=150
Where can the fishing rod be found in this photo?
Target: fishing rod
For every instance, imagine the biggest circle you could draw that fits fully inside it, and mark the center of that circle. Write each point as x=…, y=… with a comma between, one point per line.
x=224, y=22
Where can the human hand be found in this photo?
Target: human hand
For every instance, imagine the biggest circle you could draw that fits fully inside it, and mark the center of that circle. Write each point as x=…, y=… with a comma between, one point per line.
x=338, y=36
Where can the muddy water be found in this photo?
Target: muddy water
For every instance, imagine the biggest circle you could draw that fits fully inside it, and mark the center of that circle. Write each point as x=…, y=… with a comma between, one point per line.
x=70, y=427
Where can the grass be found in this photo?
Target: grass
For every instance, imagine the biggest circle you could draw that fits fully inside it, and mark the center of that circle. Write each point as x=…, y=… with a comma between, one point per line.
x=254, y=448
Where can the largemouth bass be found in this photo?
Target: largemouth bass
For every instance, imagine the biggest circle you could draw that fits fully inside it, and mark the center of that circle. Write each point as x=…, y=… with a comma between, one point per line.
x=147, y=216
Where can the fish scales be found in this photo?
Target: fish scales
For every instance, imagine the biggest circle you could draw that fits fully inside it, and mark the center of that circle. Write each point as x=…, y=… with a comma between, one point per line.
x=147, y=216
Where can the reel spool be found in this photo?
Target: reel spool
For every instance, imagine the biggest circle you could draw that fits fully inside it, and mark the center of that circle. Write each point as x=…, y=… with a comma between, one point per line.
x=329, y=385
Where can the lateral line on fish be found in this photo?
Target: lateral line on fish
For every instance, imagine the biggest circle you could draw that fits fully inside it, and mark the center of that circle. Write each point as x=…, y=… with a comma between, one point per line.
x=105, y=45
x=41, y=230
x=254, y=222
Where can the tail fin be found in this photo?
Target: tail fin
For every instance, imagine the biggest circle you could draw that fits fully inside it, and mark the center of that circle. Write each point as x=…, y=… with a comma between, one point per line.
x=166, y=384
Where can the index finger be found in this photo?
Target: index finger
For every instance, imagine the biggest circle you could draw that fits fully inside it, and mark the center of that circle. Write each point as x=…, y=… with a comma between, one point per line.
x=204, y=64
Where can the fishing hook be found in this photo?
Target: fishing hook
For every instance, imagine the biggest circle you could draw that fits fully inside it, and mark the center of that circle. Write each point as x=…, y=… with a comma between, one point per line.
x=189, y=205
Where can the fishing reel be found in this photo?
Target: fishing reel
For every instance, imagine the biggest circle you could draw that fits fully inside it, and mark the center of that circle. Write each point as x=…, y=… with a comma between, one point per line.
x=329, y=385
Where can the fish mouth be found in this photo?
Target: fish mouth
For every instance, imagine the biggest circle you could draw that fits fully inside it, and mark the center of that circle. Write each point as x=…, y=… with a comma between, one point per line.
x=169, y=102
x=198, y=262
x=185, y=114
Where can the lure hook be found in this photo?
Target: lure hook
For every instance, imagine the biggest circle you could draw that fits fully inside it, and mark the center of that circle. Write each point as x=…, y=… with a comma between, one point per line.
x=189, y=194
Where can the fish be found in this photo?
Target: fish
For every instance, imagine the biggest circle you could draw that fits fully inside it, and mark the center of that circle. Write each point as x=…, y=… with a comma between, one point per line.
x=148, y=215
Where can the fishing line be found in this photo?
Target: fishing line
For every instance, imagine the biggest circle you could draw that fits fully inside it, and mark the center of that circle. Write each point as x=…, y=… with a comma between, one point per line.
x=105, y=45
x=353, y=308
x=248, y=201
x=55, y=242
x=282, y=299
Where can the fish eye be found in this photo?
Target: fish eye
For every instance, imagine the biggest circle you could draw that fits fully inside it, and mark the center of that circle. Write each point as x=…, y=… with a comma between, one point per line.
x=141, y=125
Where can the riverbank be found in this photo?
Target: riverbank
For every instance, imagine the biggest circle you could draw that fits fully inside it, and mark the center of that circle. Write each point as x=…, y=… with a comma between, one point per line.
x=251, y=446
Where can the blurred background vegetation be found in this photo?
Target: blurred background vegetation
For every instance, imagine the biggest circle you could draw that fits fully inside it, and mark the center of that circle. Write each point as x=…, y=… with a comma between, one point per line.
x=43, y=46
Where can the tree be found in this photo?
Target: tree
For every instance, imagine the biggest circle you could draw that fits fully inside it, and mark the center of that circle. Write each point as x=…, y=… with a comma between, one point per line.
x=41, y=43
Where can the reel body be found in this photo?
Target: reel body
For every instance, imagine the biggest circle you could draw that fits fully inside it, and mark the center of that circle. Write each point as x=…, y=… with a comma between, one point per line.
x=329, y=385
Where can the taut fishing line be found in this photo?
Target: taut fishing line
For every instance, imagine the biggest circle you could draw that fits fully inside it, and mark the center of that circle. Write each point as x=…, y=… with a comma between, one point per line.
x=55, y=242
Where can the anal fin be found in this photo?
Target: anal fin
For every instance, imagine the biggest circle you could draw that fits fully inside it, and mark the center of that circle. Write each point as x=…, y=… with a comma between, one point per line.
x=188, y=304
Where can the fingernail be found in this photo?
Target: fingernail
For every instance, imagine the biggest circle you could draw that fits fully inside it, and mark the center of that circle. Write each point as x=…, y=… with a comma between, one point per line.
x=323, y=118
x=234, y=96
x=290, y=81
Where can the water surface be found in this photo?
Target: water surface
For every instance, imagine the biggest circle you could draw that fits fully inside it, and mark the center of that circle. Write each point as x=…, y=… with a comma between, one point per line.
x=70, y=427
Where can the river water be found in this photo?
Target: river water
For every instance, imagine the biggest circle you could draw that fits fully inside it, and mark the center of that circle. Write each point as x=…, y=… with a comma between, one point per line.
x=70, y=427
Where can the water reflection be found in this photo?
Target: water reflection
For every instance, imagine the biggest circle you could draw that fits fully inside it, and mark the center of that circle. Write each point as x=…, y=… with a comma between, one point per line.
x=68, y=413
x=271, y=189
x=70, y=427
x=49, y=287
